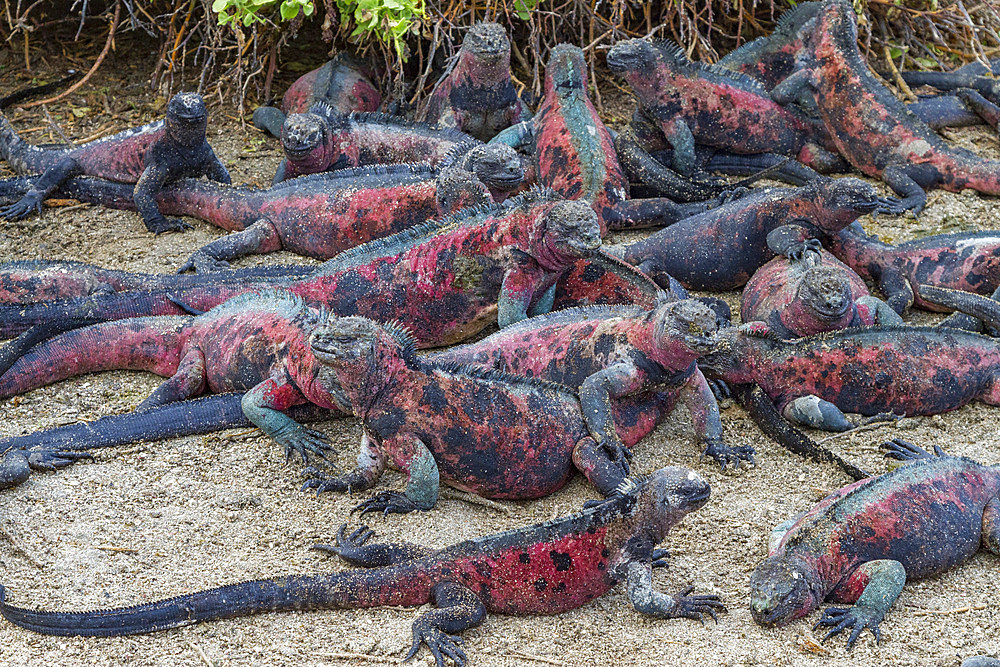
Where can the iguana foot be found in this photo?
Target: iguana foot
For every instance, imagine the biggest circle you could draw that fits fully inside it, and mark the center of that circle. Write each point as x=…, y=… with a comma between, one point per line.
x=890, y=206
x=202, y=262
x=322, y=482
x=720, y=388
x=22, y=208
x=727, y=196
x=52, y=459
x=904, y=450
x=724, y=454
x=440, y=643
x=797, y=251
x=348, y=545
x=698, y=606
x=619, y=454
x=302, y=440
x=880, y=418
x=855, y=617
x=660, y=558
x=387, y=502
x=167, y=225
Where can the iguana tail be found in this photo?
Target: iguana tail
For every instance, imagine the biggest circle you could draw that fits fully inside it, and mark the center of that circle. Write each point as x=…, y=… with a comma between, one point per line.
x=15, y=319
x=22, y=157
x=269, y=119
x=147, y=344
x=396, y=585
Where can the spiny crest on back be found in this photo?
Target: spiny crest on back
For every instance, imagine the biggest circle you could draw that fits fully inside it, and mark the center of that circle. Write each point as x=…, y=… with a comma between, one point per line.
x=676, y=56
x=573, y=315
x=353, y=173
x=279, y=302
x=794, y=18
x=458, y=152
x=493, y=375
x=408, y=238
x=338, y=120
x=403, y=335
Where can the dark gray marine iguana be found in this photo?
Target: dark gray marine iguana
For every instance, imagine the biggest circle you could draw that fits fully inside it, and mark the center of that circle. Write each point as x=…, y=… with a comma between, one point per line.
x=546, y=568
x=148, y=157
x=862, y=543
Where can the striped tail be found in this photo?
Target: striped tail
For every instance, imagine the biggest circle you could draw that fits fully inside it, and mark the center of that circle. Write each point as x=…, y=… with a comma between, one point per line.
x=22, y=157
x=147, y=344
x=398, y=585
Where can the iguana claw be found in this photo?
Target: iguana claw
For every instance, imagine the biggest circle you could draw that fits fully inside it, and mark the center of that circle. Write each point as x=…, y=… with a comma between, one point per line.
x=22, y=208
x=855, y=617
x=387, y=502
x=440, y=643
x=697, y=606
x=724, y=454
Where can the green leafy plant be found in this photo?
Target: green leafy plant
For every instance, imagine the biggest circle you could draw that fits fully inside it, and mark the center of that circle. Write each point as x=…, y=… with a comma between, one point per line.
x=523, y=8
x=249, y=12
x=389, y=21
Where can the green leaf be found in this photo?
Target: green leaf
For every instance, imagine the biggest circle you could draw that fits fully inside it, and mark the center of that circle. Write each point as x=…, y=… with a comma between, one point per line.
x=219, y=5
x=926, y=63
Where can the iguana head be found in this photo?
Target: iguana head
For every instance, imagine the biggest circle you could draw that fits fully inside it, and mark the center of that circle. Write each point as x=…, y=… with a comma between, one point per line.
x=632, y=55
x=825, y=293
x=458, y=188
x=841, y=201
x=664, y=497
x=688, y=322
x=780, y=591
x=645, y=66
x=566, y=70
x=487, y=43
x=728, y=361
x=498, y=166
x=569, y=230
x=186, y=118
x=304, y=141
x=362, y=353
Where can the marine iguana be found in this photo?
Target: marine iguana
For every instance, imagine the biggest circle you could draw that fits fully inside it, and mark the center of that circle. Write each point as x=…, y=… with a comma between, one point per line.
x=861, y=544
x=721, y=248
x=149, y=157
x=445, y=279
x=805, y=292
x=324, y=140
x=612, y=354
x=345, y=83
x=909, y=370
x=871, y=127
x=546, y=568
x=574, y=154
x=695, y=103
x=317, y=216
x=477, y=95
x=968, y=261
x=254, y=343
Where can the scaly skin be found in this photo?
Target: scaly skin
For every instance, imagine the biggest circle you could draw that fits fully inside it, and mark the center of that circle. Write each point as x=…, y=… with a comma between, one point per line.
x=615, y=356
x=446, y=280
x=477, y=96
x=871, y=127
x=691, y=102
x=967, y=261
x=811, y=293
x=323, y=139
x=148, y=157
x=900, y=370
x=345, y=83
x=862, y=543
x=256, y=343
x=720, y=249
x=546, y=568
x=574, y=153
x=317, y=216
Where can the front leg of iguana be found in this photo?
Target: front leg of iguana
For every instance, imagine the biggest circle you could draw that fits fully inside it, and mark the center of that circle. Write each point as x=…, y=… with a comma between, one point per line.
x=596, y=392
x=641, y=166
x=518, y=289
x=423, y=481
x=370, y=466
x=793, y=87
x=881, y=313
x=354, y=550
x=258, y=239
x=520, y=137
x=697, y=396
x=146, y=188
x=187, y=381
x=896, y=288
x=882, y=581
x=458, y=609
x=216, y=171
x=647, y=600
x=263, y=406
x=793, y=242
x=44, y=186
x=682, y=140
x=815, y=412
x=900, y=179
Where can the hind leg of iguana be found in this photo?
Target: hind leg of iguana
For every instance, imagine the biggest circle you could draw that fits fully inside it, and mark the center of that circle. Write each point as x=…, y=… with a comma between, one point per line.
x=458, y=609
x=41, y=189
x=604, y=470
x=258, y=239
x=187, y=381
x=903, y=184
x=985, y=109
x=422, y=486
x=353, y=548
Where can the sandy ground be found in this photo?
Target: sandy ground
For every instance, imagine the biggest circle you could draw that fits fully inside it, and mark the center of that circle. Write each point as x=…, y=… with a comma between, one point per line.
x=167, y=518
